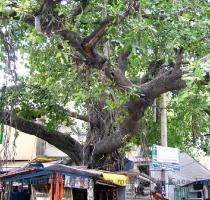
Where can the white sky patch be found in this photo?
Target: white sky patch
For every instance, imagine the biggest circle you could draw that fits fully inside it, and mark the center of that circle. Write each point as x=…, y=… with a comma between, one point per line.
x=21, y=70
x=64, y=2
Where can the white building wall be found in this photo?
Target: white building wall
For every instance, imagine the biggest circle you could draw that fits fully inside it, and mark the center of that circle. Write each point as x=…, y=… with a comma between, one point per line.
x=27, y=147
x=51, y=151
x=24, y=149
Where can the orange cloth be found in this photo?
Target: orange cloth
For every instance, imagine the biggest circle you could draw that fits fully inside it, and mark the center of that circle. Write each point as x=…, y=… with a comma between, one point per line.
x=59, y=187
x=51, y=187
x=56, y=187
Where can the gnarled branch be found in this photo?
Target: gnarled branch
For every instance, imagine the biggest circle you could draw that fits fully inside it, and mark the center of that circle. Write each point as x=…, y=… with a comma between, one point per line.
x=63, y=142
x=170, y=80
x=90, y=41
x=119, y=78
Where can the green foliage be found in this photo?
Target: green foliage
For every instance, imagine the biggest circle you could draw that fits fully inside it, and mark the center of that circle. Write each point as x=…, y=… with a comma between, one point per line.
x=192, y=101
x=183, y=105
x=150, y=35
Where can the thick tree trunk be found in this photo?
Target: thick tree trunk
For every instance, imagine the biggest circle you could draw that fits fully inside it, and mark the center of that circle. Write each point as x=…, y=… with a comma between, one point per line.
x=101, y=125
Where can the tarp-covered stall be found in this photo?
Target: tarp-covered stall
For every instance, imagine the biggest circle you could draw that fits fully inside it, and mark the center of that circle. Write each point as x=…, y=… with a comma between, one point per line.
x=57, y=181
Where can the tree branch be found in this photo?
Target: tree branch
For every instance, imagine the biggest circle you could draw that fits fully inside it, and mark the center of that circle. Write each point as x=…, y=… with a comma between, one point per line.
x=92, y=40
x=86, y=46
x=74, y=114
x=153, y=70
x=179, y=57
x=78, y=116
x=63, y=142
x=44, y=93
x=170, y=80
x=80, y=8
x=123, y=61
x=127, y=130
x=119, y=78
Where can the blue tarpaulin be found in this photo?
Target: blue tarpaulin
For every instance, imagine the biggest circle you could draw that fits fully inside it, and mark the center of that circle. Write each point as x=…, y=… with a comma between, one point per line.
x=19, y=196
x=128, y=164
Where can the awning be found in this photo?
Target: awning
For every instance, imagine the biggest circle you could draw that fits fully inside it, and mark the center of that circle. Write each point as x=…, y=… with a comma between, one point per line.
x=44, y=159
x=31, y=174
x=117, y=179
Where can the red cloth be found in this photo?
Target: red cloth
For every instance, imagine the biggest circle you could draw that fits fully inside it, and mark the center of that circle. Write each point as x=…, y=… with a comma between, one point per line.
x=59, y=187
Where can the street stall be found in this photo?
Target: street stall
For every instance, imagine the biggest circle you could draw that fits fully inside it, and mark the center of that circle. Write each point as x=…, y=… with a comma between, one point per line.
x=57, y=181
x=140, y=186
x=199, y=190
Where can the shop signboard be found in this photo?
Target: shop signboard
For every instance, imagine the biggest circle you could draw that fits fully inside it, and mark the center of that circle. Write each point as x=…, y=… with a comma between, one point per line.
x=78, y=182
x=165, y=158
x=82, y=183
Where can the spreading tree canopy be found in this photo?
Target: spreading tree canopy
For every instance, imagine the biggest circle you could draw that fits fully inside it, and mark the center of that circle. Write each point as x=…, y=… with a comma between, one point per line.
x=105, y=62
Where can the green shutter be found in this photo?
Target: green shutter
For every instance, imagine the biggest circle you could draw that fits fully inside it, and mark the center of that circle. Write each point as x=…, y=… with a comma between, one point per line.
x=1, y=137
x=1, y=134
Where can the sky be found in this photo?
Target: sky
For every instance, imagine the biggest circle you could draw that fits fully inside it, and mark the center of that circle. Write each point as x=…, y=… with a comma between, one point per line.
x=20, y=70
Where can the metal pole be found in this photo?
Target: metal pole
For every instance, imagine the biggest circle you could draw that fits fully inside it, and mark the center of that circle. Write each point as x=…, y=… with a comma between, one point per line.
x=155, y=110
x=163, y=123
x=164, y=136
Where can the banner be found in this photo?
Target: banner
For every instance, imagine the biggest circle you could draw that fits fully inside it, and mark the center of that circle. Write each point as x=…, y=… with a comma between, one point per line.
x=165, y=158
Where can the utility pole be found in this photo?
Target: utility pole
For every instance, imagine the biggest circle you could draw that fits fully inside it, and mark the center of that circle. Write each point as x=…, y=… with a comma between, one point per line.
x=163, y=122
x=164, y=136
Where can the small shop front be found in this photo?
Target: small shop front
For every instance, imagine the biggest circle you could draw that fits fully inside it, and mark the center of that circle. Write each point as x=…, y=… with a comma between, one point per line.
x=60, y=182
x=199, y=190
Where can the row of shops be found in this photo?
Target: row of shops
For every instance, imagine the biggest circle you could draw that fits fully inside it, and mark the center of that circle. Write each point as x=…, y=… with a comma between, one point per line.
x=57, y=181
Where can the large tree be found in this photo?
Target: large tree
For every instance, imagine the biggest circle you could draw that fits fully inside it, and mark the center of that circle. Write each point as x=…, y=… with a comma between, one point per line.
x=109, y=59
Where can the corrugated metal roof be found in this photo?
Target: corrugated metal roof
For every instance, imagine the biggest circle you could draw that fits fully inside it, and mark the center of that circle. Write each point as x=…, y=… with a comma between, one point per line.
x=203, y=181
x=55, y=168
x=18, y=172
x=191, y=168
x=74, y=170
x=31, y=173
